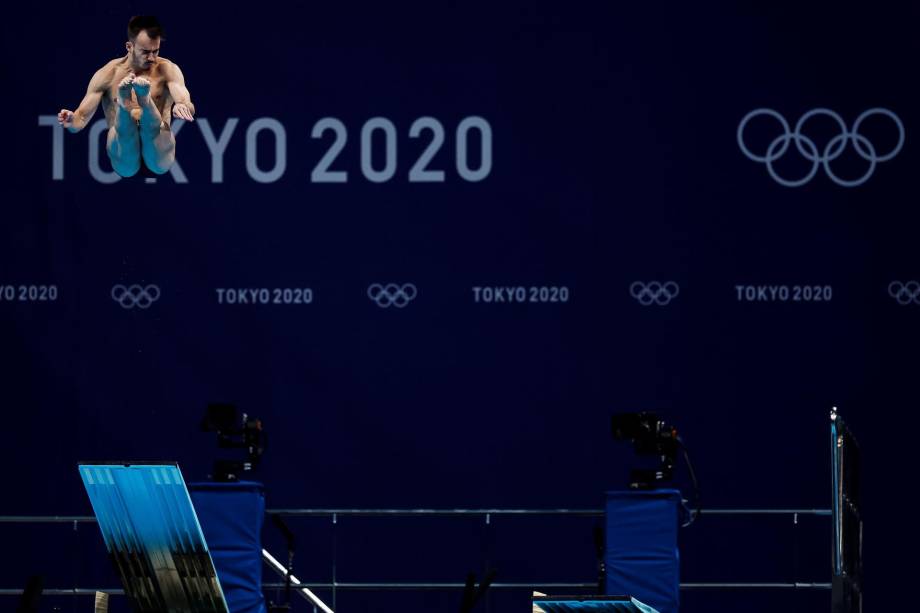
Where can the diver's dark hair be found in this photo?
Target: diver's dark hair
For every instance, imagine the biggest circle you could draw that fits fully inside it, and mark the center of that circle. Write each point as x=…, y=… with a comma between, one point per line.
x=144, y=22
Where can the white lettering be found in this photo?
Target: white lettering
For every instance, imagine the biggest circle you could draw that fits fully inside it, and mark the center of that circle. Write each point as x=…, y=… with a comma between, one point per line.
x=57, y=145
x=217, y=146
x=275, y=127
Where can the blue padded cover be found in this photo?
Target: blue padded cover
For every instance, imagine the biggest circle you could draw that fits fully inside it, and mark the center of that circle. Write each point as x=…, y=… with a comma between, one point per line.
x=231, y=516
x=641, y=555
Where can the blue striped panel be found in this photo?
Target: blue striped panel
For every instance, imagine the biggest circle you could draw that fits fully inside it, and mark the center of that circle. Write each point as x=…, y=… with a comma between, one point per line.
x=154, y=538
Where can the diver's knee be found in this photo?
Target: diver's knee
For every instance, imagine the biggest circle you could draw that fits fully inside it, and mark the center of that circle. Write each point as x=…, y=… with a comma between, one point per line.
x=162, y=162
x=126, y=170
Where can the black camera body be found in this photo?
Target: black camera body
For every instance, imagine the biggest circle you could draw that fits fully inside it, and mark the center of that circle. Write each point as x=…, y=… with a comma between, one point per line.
x=234, y=431
x=650, y=437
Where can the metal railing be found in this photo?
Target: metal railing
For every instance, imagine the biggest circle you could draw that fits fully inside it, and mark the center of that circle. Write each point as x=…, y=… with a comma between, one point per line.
x=486, y=513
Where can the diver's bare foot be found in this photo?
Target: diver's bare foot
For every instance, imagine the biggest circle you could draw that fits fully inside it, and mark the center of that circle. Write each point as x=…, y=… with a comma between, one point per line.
x=124, y=90
x=142, y=90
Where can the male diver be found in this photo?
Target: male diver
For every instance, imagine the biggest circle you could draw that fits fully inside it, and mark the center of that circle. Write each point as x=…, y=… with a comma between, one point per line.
x=137, y=92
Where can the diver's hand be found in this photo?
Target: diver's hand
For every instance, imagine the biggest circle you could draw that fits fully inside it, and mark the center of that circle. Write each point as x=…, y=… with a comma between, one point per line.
x=65, y=119
x=183, y=111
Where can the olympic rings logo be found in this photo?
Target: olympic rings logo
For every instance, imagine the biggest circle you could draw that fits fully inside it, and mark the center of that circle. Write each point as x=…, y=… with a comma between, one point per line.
x=392, y=295
x=654, y=292
x=809, y=150
x=905, y=293
x=135, y=296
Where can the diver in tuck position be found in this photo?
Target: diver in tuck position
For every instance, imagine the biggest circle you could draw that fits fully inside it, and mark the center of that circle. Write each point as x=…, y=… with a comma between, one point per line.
x=137, y=92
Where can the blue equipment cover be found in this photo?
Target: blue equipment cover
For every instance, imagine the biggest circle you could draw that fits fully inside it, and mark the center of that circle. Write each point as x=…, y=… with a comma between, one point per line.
x=572, y=604
x=641, y=556
x=153, y=537
x=231, y=516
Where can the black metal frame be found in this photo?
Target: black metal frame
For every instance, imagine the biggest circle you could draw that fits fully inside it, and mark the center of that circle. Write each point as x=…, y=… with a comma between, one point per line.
x=846, y=584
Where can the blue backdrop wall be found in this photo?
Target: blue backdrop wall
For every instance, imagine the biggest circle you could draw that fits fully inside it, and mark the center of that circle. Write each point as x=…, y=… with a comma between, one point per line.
x=435, y=246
